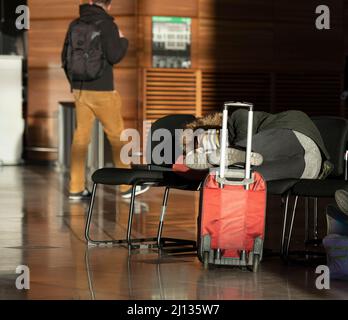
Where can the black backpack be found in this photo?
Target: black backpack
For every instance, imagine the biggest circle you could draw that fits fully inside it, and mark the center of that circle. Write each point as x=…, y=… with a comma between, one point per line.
x=84, y=58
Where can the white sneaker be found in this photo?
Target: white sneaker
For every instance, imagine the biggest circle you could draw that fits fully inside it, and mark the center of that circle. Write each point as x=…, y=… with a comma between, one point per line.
x=81, y=196
x=197, y=159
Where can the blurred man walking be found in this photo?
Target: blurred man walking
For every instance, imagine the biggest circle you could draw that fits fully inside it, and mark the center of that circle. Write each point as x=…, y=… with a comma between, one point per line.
x=92, y=46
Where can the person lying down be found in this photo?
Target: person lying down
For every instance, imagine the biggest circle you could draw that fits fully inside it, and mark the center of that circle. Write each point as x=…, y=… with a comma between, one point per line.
x=285, y=145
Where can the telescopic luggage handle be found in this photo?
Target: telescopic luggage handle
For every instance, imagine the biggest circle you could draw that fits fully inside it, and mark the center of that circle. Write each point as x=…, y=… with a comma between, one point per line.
x=224, y=138
x=246, y=105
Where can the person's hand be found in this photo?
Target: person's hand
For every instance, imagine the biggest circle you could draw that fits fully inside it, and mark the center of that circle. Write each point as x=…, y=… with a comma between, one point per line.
x=121, y=34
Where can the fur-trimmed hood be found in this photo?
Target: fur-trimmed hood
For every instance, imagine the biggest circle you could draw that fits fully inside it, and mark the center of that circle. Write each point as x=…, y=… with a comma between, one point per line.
x=210, y=121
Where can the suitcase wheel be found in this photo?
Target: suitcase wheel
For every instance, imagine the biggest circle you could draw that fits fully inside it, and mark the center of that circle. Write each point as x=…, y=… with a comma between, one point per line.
x=256, y=262
x=206, y=259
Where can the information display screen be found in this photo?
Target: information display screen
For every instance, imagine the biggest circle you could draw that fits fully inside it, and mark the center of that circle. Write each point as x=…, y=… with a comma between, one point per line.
x=171, y=42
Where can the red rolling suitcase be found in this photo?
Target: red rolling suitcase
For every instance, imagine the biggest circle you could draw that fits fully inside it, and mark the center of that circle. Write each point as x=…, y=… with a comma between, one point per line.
x=231, y=222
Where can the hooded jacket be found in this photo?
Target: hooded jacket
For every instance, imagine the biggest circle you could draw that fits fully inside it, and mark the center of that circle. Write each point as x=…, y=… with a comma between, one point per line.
x=292, y=120
x=114, y=47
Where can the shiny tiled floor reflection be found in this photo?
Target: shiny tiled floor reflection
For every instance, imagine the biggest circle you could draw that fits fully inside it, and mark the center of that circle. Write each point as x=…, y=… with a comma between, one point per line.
x=41, y=229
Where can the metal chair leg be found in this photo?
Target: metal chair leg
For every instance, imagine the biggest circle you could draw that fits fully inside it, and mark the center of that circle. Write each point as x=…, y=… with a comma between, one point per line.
x=130, y=216
x=315, y=228
x=164, y=208
x=89, y=275
x=160, y=284
x=306, y=220
x=90, y=241
x=284, y=224
x=89, y=216
x=129, y=276
x=291, y=228
x=144, y=243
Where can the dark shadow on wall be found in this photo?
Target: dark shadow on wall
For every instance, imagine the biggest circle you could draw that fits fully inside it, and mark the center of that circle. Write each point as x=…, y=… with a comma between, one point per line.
x=269, y=52
x=38, y=140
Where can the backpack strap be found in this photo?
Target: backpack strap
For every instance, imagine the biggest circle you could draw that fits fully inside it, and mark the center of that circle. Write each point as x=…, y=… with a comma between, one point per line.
x=68, y=42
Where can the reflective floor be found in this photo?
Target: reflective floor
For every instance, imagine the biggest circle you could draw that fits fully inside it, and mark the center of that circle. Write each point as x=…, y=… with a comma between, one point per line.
x=41, y=229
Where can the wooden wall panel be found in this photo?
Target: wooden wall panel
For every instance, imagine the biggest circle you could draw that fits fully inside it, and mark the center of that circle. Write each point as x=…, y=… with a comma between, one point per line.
x=47, y=82
x=45, y=50
x=314, y=93
x=299, y=45
x=345, y=21
x=53, y=9
x=236, y=35
x=235, y=45
x=47, y=88
x=345, y=40
x=123, y=7
x=129, y=28
x=269, y=50
x=63, y=9
x=218, y=87
x=179, y=8
x=126, y=83
x=41, y=132
x=195, y=44
x=251, y=10
x=170, y=91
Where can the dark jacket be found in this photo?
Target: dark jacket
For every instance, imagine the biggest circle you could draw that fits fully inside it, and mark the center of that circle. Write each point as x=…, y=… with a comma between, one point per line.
x=114, y=47
x=292, y=120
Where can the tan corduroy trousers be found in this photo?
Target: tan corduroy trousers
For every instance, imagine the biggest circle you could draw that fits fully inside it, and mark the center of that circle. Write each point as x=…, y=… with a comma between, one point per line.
x=106, y=107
